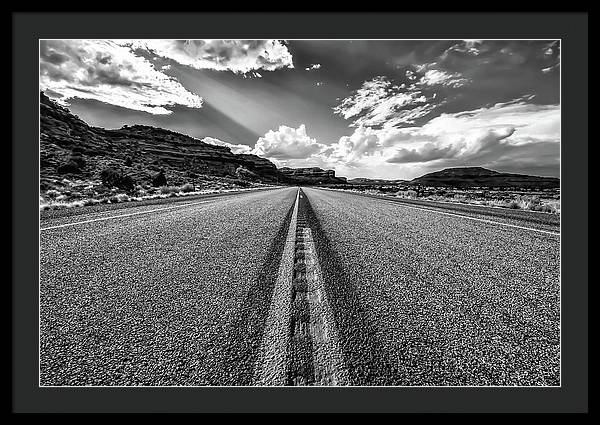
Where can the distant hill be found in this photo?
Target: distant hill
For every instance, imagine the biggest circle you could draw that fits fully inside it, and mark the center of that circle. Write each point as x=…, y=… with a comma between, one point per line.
x=482, y=177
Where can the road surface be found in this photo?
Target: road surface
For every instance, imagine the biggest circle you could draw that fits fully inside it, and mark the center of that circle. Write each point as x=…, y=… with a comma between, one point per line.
x=221, y=290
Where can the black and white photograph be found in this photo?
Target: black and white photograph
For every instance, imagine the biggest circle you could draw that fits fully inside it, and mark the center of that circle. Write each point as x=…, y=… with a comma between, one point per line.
x=300, y=212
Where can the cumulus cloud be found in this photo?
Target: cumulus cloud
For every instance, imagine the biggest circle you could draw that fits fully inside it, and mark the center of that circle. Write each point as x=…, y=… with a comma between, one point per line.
x=236, y=149
x=105, y=71
x=238, y=56
x=473, y=143
x=287, y=143
x=516, y=132
x=427, y=152
x=525, y=133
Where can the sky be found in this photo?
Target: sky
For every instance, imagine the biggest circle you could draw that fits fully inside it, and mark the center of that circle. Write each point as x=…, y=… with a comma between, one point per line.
x=391, y=109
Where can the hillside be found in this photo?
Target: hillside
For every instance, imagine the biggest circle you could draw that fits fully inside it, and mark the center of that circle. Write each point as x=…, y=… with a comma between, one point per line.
x=481, y=177
x=70, y=147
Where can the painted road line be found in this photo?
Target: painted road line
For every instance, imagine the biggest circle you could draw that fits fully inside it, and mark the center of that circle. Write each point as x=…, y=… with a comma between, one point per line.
x=328, y=362
x=272, y=363
x=123, y=215
x=472, y=218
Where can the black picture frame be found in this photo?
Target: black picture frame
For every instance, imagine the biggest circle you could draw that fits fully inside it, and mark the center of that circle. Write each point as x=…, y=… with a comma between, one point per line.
x=571, y=28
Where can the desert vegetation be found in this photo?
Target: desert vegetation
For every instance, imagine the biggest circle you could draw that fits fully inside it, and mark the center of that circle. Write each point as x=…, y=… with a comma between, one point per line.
x=115, y=186
x=540, y=200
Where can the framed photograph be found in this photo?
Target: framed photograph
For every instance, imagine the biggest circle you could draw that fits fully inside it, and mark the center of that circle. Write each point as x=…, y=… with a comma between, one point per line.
x=238, y=213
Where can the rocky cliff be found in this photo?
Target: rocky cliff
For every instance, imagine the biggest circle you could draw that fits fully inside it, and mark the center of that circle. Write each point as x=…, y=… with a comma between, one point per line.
x=311, y=176
x=69, y=146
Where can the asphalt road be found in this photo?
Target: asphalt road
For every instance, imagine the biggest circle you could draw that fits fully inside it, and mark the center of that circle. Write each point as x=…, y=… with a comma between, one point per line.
x=169, y=297
x=427, y=298
x=179, y=293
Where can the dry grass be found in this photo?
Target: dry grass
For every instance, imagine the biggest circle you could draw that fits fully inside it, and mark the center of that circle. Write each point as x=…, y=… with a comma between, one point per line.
x=55, y=199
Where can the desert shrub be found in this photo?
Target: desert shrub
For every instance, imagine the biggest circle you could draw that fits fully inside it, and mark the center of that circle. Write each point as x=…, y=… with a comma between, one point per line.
x=385, y=189
x=186, y=188
x=159, y=180
x=52, y=193
x=166, y=190
x=140, y=191
x=70, y=167
x=88, y=202
x=513, y=204
x=109, y=177
x=126, y=182
x=240, y=183
x=407, y=193
x=121, y=197
x=113, y=178
x=78, y=159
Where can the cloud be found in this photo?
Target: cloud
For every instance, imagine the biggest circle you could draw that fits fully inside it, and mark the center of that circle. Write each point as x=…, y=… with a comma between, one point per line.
x=287, y=143
x=467, y=47
x=384, y=104
x=473, y=143
x=428, y=152
x=513, y=132
x=236, y=149
x=380, y=103
x=434, y=77
x=506, y=58
x=105, y=71
x=510, y=136
x=313, y=67
x=238, y=56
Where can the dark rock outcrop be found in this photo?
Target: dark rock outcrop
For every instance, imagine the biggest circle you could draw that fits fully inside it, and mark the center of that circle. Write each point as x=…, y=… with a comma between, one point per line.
x=310, y=176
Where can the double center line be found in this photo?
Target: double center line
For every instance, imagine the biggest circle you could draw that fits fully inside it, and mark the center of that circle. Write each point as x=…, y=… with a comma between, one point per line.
x=300, y=344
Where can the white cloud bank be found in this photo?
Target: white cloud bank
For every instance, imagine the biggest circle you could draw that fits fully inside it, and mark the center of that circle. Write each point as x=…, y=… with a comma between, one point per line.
x=500, y=136
x=116, y=71
x=238, y=56
x=105, y=71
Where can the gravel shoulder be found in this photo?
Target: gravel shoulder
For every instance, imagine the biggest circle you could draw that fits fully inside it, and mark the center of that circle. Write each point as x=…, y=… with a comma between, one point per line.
x=433, y=299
